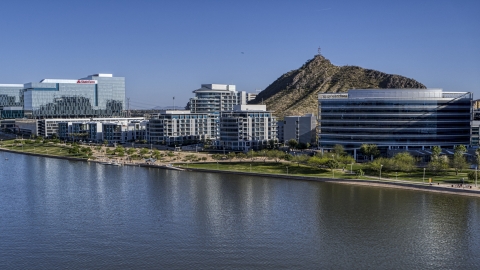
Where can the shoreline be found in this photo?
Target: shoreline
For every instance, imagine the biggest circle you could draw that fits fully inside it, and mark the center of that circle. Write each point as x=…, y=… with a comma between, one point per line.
x=386, y=183
x=370, y=183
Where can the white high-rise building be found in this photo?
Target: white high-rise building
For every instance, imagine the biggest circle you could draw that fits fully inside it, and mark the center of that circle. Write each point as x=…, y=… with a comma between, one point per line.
x=216, y=98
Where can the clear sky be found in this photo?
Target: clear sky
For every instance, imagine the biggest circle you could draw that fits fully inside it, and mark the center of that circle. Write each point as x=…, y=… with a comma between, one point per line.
x=169, y=48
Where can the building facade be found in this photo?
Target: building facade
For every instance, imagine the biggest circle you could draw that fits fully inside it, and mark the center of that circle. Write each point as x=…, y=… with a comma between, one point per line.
x=302, y=129
x=177, y=127
x=394, y=118
x=11, y=101
x=247, y=127
x=99, y=95
x=10, y=95
x=216, y=98
x=98, y=130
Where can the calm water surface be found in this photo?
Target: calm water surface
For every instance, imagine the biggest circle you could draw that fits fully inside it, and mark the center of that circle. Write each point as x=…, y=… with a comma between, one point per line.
x=57, y=214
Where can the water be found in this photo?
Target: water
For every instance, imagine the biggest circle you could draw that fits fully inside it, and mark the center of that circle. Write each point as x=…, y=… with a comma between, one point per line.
x=57, y=214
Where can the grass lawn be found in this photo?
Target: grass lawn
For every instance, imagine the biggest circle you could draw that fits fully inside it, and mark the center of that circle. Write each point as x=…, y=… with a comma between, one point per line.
x=417, y=176
x=41, y=148
x=263, y=167
x=303, y=170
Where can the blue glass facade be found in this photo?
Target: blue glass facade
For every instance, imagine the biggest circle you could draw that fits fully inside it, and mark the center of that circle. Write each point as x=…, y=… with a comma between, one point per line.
x=100, y=95
x=395, y=118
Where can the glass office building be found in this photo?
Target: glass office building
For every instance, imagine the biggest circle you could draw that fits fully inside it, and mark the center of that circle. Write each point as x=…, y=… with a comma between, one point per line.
x=99, y=95
x=394, y=118
x=11, y=101
x=10, y=95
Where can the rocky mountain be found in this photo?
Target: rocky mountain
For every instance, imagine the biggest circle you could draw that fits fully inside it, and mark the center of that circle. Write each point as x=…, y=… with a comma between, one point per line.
x=296, y=92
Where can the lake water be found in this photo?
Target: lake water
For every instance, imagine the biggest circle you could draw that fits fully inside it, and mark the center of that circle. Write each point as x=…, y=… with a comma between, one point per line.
x=57, y=214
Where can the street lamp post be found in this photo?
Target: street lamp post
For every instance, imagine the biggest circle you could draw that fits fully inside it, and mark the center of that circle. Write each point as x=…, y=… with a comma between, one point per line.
x=351, y=169
x=250, y=167
x=423, y=179
x=381, y=166
x=287, y=170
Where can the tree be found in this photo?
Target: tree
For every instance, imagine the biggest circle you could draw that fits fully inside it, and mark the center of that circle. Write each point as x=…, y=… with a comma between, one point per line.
x=120, y=151
x=338, y=150
x=459, y=162
x=437, y=163
x=477, y=154
x=241, y=156
x=275, y=155
x=143, y=152
x=231, y=155
x=436, y=151
x=271, y=144
x=156, y=154
x=346, y=160
x=404, y=162
x=332, y=164
x=381, y=163
x=302, y=146
x=369, y=150
x=130, y=151
x=292, y=143
x=472, y=175
x=74, y=150
x=216, y=156
x=317, y=161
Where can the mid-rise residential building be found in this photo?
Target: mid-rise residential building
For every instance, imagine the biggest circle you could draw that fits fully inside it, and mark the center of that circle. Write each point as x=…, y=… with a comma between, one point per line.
x=247, y=127
x=216, y=98
x=112, y=130
x=176, y=127
x=302, y=129
x=251, y=96
x=394, y=118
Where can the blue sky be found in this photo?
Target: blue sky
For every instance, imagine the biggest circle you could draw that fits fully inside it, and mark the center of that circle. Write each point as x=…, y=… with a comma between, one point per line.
x=169, y=48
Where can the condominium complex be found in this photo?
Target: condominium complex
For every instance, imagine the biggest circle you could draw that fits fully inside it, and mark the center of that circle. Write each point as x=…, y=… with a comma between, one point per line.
x=175, y=127
x=215, y=98
x=246, y=127
x=394, y=118
x=112, y=130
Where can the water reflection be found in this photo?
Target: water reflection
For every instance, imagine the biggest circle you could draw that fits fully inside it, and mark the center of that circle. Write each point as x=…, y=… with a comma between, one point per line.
x=78, y=215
